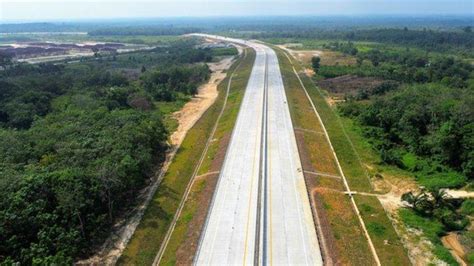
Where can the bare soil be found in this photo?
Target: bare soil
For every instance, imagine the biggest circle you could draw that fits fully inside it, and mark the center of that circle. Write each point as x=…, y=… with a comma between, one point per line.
x=304, y=56
x=460, y=193
x=328, y=58
x=349, y=84
x=206, y=96
x=451, y=241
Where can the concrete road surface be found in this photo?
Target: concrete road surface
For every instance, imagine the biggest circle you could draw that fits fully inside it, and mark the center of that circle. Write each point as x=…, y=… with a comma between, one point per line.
x=260, y=212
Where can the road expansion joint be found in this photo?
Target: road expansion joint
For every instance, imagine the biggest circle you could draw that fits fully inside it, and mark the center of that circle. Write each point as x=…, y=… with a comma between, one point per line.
x=309, y=130
x=322, y=174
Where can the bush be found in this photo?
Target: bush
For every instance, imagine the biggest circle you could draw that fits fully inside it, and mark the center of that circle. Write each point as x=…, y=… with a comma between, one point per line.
x=409, y=161
x=467, y=207
x=441, y=180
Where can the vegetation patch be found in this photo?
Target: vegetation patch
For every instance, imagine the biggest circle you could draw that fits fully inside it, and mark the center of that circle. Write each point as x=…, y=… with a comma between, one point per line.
x=386, y=241
x=351, y=244
x=432, y=230
x=78, y=143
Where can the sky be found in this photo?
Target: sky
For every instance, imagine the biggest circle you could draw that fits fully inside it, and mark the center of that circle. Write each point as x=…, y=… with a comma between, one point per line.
x=37, y=10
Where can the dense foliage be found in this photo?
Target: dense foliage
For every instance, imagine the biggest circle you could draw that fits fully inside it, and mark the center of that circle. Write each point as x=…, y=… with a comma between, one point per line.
x=437, y=204
x=429, y=40
x=433, y=122
x=402, y=65
x=77, y=143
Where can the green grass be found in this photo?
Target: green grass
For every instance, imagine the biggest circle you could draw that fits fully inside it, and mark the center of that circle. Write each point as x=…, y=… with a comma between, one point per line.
x=386, y=240
x=312, y=44
x=168, y=108
x=225, y=126
x=467, y=207
x=409, y=160
x=441, y=180
x=432, y=230
x=351, y=245
x=146, y=240
x=224, y=51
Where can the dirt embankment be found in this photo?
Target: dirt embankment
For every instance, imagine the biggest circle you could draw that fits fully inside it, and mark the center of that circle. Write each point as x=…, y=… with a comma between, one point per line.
x=451, y=241
x=207, y=94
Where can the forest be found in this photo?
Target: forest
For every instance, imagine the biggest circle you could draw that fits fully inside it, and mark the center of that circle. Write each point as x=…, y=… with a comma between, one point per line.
x=147, y=30
x=427, y=39
x=78, y=142
x=427, y=113
x=404, y=65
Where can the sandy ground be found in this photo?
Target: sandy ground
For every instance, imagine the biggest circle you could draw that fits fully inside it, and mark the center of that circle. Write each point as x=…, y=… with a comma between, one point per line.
x=302, y=55
x=328, y=58
x=460, y=193
x=451, y=241
x=113, y=247
x=207, y=94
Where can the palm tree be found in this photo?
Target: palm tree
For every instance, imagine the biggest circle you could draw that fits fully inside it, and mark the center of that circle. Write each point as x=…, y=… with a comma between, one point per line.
x=419, y=202
x=440, y=198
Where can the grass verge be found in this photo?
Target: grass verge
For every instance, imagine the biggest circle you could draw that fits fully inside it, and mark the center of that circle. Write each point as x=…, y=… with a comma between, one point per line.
x=146, y=240
x=343, y=229
x=346, y=235
x=386, y=240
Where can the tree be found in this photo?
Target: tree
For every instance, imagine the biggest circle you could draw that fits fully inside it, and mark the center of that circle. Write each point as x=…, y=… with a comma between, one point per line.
x=315, y=62
x=419, y=202
x=5, y=59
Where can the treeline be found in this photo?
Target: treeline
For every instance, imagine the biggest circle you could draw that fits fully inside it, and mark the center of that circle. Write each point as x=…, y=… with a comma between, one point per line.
x=146, y=30
x=77, y=143
x=401, y=65
x=427, y=129
x=431, y=40
x=426, y=39
x=165, y=85
x=42, y=27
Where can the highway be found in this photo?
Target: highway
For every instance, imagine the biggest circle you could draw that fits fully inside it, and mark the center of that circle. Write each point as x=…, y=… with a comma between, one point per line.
x=260, y=211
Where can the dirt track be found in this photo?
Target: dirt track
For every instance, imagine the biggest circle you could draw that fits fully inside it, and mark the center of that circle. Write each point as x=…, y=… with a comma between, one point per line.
x=207, y=94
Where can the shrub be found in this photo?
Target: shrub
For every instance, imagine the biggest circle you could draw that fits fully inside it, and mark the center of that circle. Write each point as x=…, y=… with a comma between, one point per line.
x=467, y=207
